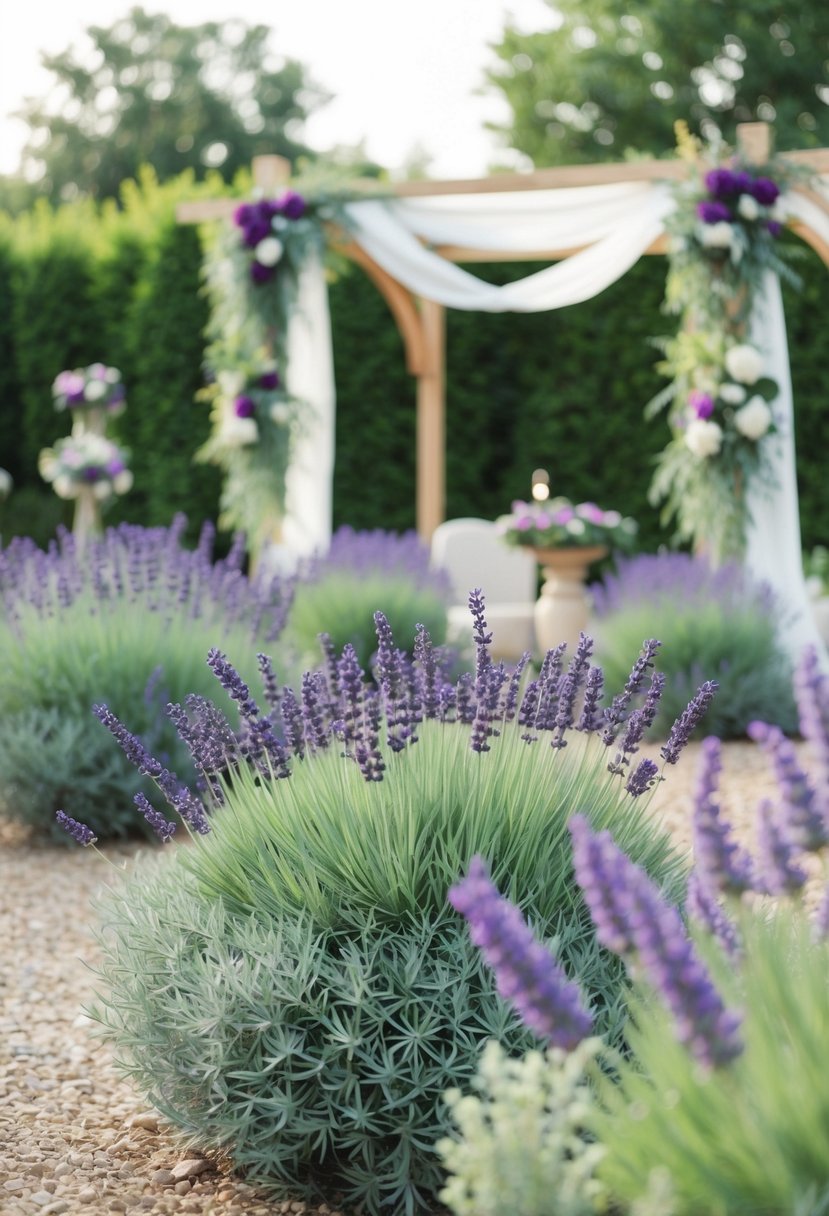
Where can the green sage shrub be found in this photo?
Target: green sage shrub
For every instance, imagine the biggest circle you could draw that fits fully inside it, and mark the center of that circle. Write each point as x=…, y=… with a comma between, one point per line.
x=293, y=987
x=714, y=624
x=127, y=621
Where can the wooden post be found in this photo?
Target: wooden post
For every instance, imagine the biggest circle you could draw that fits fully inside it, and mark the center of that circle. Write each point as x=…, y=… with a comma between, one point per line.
x=431, y=422
x=754, y=141
x=270, y=173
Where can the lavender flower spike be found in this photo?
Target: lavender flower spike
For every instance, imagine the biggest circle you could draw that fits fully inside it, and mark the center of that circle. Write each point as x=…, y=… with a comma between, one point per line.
x=163, y=828
x=688, y=721
x=802, y=818
x=720, y=862
x=778, y=871
x=78, y=831
x=526, y=974
x=628, y=907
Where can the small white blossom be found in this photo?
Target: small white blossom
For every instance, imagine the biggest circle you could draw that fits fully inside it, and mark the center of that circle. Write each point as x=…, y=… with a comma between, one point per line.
x=748, y=207
x=280, y=413
x=102, y=490
x=744, y=363
x=65, y=487
x=268, y=251
x=703, y=437
x=732, y=394
x=122, y=481
x=95, y=390
x=238, y=432
x=754, y=419
x=716, y=236
x=6, y=483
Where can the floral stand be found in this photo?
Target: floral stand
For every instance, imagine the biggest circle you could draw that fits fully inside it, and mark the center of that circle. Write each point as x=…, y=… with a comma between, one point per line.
x=562, y=609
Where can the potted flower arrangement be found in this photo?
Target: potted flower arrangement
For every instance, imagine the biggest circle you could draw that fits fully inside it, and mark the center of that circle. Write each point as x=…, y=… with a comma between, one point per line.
x=96, y=387
x=566, y=539
x=85, y=462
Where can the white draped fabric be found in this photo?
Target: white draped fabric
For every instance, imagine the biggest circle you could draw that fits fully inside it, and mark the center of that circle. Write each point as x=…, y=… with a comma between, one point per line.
x=610, y=227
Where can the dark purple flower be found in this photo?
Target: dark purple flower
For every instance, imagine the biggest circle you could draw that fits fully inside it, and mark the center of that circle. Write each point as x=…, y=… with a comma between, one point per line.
x=243, y=215
x=91, y=473
x=721, y=183
x=774, y=227
x=720, y=862
x=78, y=831
x=292, y=205
x=163, y=828
x=633, y=919
x=765, y=191
x=688, y=721
x=713, y=213
x=244, y=406
x=526, y=974
x=701, y=403
x=642, y=779
x=261, y=274
x=269, y=380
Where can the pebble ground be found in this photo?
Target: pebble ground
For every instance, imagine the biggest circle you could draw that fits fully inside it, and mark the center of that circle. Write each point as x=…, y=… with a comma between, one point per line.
x=75, y=1138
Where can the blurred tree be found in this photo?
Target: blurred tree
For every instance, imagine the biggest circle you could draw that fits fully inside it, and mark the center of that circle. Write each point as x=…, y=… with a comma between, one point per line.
x=612, y=79
x=204, y=97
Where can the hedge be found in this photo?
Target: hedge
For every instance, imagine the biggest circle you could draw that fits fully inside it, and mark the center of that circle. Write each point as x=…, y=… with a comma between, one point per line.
x=563, y=390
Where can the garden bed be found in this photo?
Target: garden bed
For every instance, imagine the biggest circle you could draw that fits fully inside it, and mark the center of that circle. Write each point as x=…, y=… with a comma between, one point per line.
x=76, y=1137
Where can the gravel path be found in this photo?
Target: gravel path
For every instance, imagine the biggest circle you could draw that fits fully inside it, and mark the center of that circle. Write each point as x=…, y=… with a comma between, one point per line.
x=74, y=1136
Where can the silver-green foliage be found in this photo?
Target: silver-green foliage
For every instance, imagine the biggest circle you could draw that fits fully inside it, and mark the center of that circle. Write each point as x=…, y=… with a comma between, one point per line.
x=748, y=1138
x=293, y=986
x=129, y=623
x=520, y=1148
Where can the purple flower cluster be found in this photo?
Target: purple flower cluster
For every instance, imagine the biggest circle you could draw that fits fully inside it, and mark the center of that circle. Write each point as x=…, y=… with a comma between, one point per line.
x=679, y=578
x=721, y=865
x=726, y=189
x=78, y=831
x=259, y=221
x=378, y=551
x=526, y=974
x=633, y=920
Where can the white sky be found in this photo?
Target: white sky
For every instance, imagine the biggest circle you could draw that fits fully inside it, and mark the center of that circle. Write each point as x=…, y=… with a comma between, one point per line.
x=404, y=72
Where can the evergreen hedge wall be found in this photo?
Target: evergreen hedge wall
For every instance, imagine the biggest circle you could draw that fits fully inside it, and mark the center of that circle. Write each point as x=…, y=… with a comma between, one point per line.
x=563, y=390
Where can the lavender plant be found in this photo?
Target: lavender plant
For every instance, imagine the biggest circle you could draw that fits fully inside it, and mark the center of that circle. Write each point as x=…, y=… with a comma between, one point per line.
x=728, y=1023
x=338, y=593
x=715, y=623
x=127, y=620
x=325, y=995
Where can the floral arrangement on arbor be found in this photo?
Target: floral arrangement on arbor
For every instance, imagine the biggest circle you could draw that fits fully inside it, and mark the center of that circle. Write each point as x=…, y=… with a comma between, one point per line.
x=95, y=387
x=86, y=461
x=558, y=523
x=724, y=235
x=252, y=273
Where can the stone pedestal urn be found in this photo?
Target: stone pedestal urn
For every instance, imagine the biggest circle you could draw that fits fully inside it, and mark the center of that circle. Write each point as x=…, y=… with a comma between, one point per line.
x=562, y=608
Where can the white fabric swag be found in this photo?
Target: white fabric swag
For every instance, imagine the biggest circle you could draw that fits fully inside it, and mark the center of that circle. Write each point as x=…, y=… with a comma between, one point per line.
x=610, y=227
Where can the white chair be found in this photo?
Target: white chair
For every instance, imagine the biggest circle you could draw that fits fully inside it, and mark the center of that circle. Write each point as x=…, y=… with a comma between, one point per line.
x=474, y=554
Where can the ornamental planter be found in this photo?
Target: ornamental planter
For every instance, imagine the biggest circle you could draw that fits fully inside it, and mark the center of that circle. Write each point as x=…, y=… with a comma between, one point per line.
x=562, y=608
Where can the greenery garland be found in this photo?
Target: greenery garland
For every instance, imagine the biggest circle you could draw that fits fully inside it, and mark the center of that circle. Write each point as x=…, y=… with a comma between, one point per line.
x=724, y=233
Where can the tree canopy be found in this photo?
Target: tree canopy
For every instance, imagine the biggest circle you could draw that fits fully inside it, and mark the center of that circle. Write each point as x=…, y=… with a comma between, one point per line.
x=612, y=79
x=204, y=97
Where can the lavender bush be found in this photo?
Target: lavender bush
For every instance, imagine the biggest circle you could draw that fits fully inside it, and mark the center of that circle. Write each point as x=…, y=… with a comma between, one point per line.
x=728, y=1024
x=338, y=593
x=715, y=624
x=325, y=994
x=126, y=621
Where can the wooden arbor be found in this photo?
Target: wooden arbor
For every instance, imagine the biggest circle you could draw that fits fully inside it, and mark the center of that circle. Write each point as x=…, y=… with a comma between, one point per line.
x=422, y=321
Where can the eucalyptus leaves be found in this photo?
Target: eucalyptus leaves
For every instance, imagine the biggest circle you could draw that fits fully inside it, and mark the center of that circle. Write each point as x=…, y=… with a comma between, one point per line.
x=721, y=399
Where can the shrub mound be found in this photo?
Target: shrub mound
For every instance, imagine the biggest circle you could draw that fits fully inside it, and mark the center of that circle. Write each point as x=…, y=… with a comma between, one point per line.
x=293, y=986
x=128, y=621
x=715, y=625
x=338, y=594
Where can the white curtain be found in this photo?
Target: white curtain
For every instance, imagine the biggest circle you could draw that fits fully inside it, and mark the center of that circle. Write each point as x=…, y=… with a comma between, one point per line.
x=610, y=227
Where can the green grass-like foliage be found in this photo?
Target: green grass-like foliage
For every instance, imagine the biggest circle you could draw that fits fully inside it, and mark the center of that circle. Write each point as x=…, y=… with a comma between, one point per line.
x=714, y=625
x=294, y=987
x=748, y=1138
x=339, y=593
x=127, y=622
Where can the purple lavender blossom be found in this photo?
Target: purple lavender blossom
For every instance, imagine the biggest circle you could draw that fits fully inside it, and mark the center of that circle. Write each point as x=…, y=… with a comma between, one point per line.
x=526, y=974
x=590, y=718
x=720, y=862
x=77, y=830
x=703, y=907
x=778, y=872
x=713, y=212
x=812, y=695
x=163, y=828
x=615, y=714
x=642, y=779
x=688, y=721
x=802, y=815
x=633, y=920
x=679, y=578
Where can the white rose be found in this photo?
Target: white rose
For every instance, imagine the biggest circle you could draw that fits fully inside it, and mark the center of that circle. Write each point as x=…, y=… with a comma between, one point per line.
x=239, y=432
x=95, y=390
x=65, y=487
x=101, y=490
x=268, y=251
x=716, y=236
x=6, y=483
x=754, y=419
x=748, y=207
x=122, y=481
x=280, y=413
x=732, y=394
x=703, y=437
x=744, y=363
x=112, y=375
x=231, y=383
x=576, y=527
